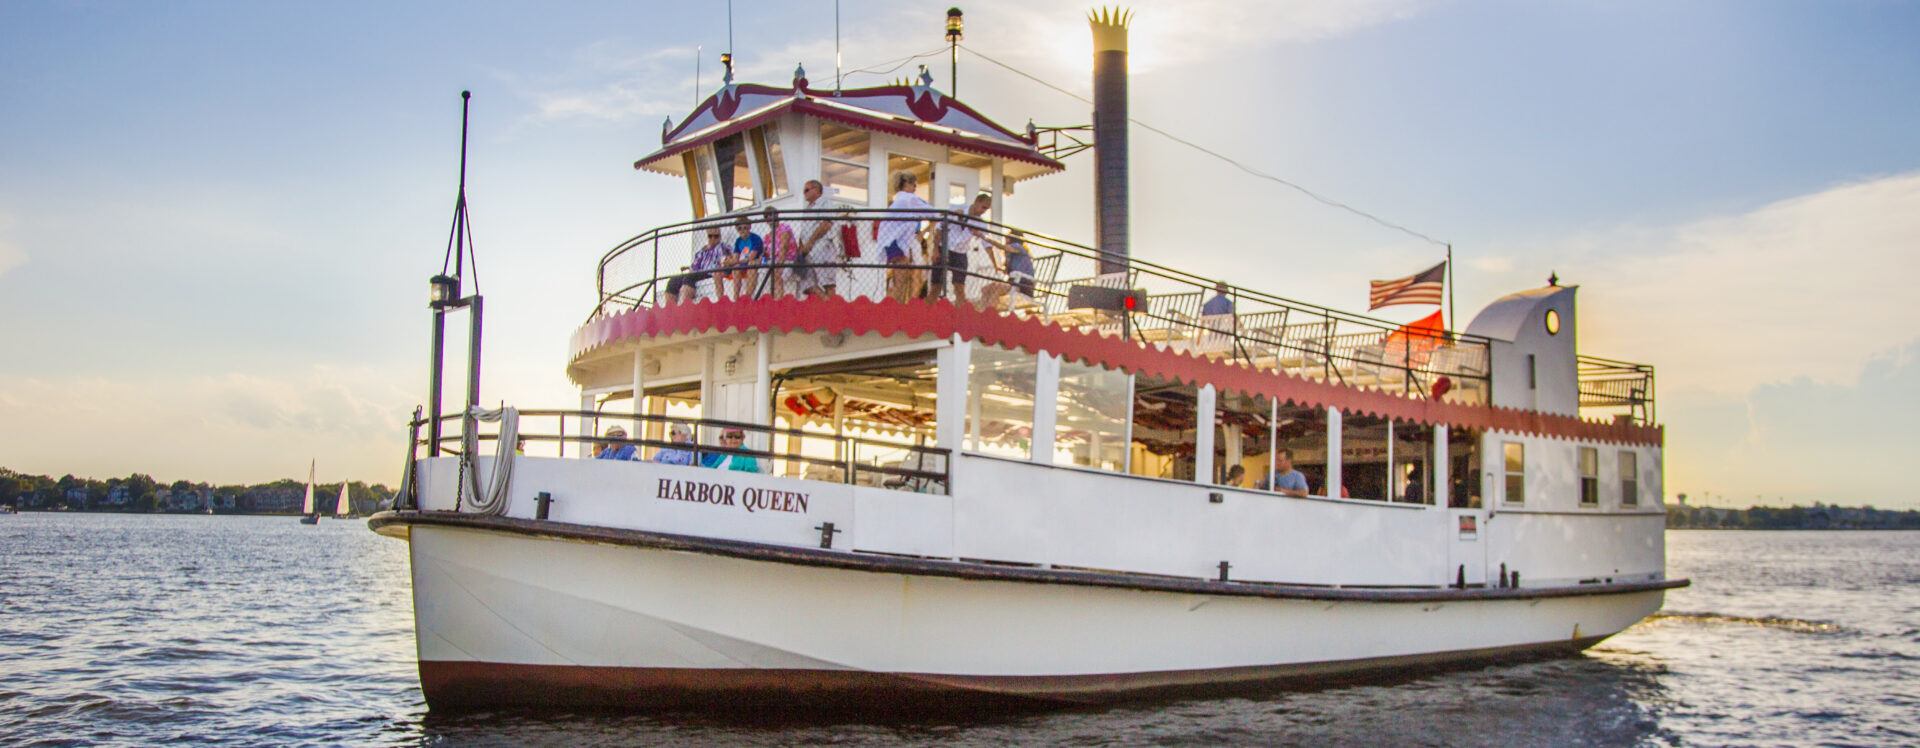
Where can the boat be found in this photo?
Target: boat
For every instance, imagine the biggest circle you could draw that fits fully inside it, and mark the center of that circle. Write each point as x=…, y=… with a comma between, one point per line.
x=343, y=509
x=308, y=516
x=869, y=486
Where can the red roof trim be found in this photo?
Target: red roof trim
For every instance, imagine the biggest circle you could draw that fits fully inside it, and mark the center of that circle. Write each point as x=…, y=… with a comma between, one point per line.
x=942, y=319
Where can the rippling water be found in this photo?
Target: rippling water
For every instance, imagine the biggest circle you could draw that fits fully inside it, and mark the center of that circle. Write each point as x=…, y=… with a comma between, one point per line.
x=140, y=630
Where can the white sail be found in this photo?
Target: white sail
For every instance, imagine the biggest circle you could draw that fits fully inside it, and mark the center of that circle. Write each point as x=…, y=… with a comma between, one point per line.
x=306, y=507
x=340, y=508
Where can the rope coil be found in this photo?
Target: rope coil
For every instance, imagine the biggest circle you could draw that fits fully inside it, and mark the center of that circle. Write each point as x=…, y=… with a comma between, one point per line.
x=492, y=499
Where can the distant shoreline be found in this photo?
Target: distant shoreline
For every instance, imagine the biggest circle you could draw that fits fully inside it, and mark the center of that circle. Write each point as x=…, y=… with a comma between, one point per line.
x=1816, y=517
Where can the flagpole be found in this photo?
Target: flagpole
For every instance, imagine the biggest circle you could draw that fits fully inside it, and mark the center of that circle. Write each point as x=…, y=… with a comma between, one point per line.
x=1456, y=320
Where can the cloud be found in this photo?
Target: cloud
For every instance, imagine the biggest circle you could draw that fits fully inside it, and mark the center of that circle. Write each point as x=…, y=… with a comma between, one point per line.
x=11, y=255
x=226, y=428
x=1810, y=287
x=1803, y=440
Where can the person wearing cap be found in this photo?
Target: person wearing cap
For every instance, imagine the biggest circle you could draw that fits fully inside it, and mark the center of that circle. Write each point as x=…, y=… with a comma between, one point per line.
x=614, y=450
x=1220, y=303
x=733, y=439
x=680, y=434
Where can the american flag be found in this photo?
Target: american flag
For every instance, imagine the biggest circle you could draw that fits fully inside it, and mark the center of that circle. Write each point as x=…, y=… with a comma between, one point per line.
x=1423, y=287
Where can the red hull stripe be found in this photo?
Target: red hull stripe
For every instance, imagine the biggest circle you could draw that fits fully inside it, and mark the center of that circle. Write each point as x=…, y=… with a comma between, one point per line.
x=470, y=685
x=943, y=318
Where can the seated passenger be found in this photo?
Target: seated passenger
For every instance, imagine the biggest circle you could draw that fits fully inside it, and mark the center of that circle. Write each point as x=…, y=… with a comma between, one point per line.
x=1236, y=476
x=685, y=288
x=614, y=450
x=732, y=439
x=748, y=250
x=680, y=434
x=1285, y=479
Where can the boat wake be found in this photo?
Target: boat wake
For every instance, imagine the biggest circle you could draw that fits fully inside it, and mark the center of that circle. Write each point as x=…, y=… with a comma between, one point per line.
x=1790, y=624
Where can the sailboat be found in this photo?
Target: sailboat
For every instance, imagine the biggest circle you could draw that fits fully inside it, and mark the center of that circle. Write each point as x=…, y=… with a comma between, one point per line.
x=342, y=509
x=307, y=515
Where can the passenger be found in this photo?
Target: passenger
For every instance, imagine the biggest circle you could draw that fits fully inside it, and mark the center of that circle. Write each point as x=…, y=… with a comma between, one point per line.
x=1236, y=476
x=981, y=286
x=749, y=250
x=614, y=449
x=679, y=434
x=685, y=288
x=732, y=439
x=819, y=242
x=1019, y=263
x=1220, y=303
x=899, y=235
x=1284, y=478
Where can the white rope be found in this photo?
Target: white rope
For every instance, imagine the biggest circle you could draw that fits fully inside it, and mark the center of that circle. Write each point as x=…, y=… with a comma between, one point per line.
x=493, y=499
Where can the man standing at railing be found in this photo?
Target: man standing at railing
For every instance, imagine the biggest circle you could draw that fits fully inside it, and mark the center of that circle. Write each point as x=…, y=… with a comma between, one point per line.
x=899, y=236
x=819, y=243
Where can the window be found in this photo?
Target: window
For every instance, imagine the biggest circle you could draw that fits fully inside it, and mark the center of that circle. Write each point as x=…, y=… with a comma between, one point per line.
x=1629, y=479
x=1589, y=475
x=1463, y=468
x=773, y=165
x=736, y=178
x=1364, y=470
x=1412, y=459
x=1092, y=422
x=921, y=169
x=1163, y=436
x=1516, y=459
x=1000, y=402
x=843, y=162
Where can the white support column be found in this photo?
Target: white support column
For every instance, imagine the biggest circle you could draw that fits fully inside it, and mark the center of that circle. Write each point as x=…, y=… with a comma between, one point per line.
x=1333, y=452
x=1273, y=440
x=1046, y=403
x=995, y=183
x=639, y=388
x=950, y=401
x=1441, y=461
x=1203, y=436
x=589, y=427
x=707, y=436
x=1126, y=447
x=763, y=394
x=1393, y=471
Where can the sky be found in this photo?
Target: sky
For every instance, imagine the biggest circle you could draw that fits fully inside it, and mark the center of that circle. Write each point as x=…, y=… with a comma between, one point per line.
x=217, y=219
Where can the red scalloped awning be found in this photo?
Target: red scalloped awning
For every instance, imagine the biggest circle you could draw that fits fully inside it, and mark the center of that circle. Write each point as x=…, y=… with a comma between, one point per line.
x=942, y=319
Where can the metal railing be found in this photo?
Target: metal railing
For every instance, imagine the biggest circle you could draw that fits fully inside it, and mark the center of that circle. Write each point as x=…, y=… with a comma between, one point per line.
x=1606, y=383
x=1062, y=283
x=793, y=453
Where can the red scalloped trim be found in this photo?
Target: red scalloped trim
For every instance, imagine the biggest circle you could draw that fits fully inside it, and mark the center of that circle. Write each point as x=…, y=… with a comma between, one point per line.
x=942, y=319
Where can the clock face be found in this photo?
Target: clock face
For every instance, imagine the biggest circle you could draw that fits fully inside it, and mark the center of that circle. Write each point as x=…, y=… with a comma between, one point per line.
x=1553, y=322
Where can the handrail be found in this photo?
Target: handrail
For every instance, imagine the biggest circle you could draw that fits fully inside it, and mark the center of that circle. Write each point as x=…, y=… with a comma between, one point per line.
x=930, y=472
x=1342, y=346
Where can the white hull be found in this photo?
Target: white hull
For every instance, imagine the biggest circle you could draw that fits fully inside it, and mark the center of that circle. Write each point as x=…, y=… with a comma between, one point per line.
x=517, y=618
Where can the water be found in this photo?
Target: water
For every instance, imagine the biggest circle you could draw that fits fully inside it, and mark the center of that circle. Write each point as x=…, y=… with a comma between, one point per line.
x=141, y=630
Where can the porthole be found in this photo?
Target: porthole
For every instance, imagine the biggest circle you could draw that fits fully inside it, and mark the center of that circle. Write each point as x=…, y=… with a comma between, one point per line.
x=1553, y=322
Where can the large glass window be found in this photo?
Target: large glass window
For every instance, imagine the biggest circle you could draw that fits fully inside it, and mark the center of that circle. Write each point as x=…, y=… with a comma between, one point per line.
x=773, y=164
x=1092, y=421
x=843, y=161
x=1301, y=431
x=1163, y=428
x=736, y=178
x=1412, y=474
x=1241, y=440
x=1516, y=468
x=1000, y=387
x=1589, y=475
x=1364, y=470
x=1629, y=478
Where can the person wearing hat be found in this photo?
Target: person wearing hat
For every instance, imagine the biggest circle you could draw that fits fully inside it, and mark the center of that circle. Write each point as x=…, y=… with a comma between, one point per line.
x=733, y=439
x=680, y=434
x=614, y=450
x=1220, y=303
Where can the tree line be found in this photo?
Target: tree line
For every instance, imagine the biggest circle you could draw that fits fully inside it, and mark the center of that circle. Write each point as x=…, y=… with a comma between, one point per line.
x=1816, y=517
x=139, y=492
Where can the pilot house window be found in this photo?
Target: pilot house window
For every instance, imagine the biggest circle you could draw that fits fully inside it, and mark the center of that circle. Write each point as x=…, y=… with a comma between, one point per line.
x=1589, y=475
x=843, y=162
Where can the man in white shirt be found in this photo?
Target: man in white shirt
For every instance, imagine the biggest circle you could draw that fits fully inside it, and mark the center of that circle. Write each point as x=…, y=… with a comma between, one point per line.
x=819, y=242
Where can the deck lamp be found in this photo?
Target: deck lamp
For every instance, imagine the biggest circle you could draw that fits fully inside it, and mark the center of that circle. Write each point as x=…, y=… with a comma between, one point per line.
x=445, y=289
x=954, y=25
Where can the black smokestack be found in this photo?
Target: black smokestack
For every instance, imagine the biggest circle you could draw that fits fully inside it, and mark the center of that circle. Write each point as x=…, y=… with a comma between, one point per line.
x=1110, y=133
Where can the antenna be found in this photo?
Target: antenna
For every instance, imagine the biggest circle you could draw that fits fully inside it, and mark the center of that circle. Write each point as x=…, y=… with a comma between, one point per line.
x=836, y=46
x=729, y=28
x=697, y=51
